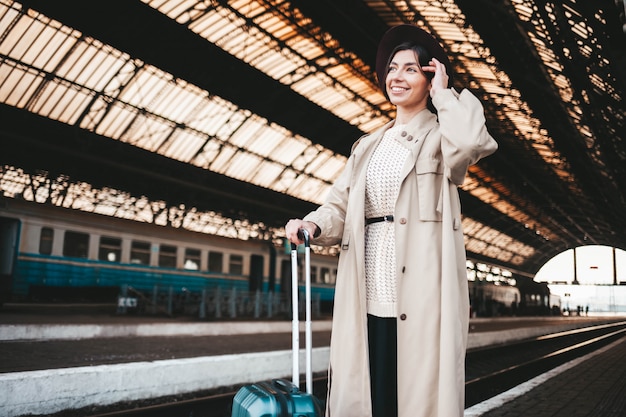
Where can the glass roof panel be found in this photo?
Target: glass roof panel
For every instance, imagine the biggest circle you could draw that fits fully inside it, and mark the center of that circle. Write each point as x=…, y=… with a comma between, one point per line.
x=148, y=132
x=288, y=154
x=484, y=240
x=312, y=188
x=90, y=66
x=69, y=106
x=177, y=101
x=277, y=47
x=268, y=173
x=52, y=96
x=222, y=159
x=540, y=36
x=330, y=169
x=142, y=105
x=183, y=145
x=285, y=180
x=144, y=87
x=107, y=121
x=217, y=117
x=266, y=144
x=243, y=166
x=17, y=84
x=315, y=160
x=307, y=48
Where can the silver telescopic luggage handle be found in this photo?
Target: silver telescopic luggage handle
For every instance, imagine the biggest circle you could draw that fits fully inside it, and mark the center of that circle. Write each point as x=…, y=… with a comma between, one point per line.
x=295, y=325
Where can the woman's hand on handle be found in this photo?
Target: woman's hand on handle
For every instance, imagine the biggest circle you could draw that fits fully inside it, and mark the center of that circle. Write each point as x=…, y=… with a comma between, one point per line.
x=293, y=227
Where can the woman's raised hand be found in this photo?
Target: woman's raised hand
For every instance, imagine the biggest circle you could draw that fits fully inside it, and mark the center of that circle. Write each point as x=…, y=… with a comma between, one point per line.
x=440, y=80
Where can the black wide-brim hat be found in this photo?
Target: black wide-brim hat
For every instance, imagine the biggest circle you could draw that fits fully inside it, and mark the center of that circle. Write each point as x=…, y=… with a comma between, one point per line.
x=413, y=34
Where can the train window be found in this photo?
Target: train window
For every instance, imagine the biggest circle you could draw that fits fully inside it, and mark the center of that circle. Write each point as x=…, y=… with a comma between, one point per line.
x=45, y=241
x=167, y=256
x=192, y=259
x=216, y=262
x=110, y=249
x=76, y=245
x=285, y=276
x=314, y=277
x=325, y=275
x=140, y=253
x=255, y=280
x=235, y=265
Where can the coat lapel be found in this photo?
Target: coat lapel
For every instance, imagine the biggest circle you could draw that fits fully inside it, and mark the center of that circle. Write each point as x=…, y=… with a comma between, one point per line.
x=417, y=130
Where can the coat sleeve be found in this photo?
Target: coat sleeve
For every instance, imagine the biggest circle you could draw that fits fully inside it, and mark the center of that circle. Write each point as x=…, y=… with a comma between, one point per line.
x=465, y=139
x=331, y=215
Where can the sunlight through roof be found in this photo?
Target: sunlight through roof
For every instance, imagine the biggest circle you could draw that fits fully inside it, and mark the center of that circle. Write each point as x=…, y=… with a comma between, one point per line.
x=58, y=72
x=77, y=79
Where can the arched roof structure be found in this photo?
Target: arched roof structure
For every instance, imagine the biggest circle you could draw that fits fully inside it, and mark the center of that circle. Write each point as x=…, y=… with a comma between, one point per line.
x=245, y=111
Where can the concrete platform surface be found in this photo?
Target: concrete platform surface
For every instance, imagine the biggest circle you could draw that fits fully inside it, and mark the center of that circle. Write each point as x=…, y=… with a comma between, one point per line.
x=62, y=361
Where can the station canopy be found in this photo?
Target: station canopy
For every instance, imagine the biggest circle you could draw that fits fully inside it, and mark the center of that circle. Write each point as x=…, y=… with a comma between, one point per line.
x=230, y=117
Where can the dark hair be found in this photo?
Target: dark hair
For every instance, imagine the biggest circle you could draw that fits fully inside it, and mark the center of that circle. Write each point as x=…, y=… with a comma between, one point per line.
x=423, y=58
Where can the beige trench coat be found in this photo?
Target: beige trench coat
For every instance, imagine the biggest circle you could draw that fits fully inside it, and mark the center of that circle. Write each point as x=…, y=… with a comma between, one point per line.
x=433, y=299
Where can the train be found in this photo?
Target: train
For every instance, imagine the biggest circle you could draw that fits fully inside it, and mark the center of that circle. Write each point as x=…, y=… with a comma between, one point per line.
x=50, y=253
x=524, y=297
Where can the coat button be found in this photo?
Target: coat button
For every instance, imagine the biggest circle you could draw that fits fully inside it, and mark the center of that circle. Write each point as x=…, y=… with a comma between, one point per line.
x=403, y=134
x=402, y=316
x=403, y=220
x=409, y=138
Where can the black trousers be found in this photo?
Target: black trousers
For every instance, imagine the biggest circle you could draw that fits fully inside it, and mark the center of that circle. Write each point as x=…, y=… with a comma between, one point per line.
x=383, y=356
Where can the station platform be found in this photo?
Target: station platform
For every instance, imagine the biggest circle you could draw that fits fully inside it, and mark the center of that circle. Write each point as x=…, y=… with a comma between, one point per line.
x=67, y=360
x=590, y=386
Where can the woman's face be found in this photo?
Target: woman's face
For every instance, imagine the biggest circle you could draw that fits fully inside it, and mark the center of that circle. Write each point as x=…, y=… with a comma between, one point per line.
x=407, y=86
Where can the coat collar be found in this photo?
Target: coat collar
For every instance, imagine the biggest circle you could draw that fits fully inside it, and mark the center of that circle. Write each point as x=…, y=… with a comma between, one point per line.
x=414, y=131
x=421, y=123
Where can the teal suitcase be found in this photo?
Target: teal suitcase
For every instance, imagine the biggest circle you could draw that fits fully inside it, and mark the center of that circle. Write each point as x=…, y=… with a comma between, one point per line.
x=274, y=398
x=280, y=397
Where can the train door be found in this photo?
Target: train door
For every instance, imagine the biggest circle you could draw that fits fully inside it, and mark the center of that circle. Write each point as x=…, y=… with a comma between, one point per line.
x=285, y=278
x=256, y=273
x=285, y=282
x=8, y=251
x=271, y=286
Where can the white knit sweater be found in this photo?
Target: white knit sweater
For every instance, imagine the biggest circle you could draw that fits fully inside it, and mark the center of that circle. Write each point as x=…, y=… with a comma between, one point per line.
x=381, y=191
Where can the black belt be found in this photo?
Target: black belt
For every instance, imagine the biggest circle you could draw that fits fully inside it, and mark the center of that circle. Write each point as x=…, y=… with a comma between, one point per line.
x=387, y=218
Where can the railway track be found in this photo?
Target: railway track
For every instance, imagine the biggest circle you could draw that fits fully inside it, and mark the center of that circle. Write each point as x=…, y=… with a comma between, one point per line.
x=489, y=372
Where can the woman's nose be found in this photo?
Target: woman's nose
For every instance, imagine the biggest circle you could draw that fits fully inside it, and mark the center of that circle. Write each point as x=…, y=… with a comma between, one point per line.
x=396, y=75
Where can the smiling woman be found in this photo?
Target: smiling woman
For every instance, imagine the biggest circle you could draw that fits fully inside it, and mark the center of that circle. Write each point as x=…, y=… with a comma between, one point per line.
x=401, y=297
x=407, y=84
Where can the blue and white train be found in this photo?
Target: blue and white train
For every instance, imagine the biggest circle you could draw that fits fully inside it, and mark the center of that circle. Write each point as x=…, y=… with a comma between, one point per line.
x=57, y=254
x=49, y=253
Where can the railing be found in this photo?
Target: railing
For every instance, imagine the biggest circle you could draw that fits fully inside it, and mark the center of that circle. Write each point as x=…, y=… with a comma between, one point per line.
x=210, y=303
